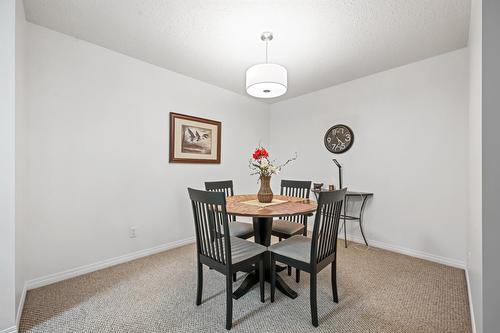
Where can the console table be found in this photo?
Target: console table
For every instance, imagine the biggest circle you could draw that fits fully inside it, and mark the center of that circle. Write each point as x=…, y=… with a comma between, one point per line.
x=351, y=194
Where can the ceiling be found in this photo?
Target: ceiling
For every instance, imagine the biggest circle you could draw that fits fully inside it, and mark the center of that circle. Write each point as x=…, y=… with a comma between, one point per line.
x=321, y=43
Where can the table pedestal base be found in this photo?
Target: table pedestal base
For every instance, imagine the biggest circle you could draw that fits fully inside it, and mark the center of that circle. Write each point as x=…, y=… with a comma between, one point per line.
x=262, y=227
x=252, y=279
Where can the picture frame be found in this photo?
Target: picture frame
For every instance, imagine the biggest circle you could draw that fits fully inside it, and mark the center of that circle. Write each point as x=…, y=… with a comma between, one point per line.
x=194, y=139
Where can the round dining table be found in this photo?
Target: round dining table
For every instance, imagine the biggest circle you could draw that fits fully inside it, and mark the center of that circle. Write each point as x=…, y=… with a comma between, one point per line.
x=262, y=216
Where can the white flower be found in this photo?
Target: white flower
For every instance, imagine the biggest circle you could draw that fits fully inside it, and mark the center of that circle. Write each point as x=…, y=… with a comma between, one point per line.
x=264, y=163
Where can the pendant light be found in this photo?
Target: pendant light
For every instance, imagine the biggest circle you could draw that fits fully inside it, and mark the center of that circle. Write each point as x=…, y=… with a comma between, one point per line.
x=266, y=80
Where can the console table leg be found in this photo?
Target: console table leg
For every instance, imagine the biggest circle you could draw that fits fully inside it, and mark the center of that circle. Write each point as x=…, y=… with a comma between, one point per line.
x=361, y=218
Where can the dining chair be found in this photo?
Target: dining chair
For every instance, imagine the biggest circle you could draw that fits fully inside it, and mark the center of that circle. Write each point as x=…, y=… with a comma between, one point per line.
x=288, y=226
x=217, y=249
x=313, y=254
x=236, y=228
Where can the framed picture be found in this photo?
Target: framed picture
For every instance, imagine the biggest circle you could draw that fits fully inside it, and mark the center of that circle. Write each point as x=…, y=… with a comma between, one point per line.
x=194, y=140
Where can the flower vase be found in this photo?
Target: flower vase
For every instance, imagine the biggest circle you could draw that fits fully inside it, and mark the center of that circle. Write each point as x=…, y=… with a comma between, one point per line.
x=265, y=194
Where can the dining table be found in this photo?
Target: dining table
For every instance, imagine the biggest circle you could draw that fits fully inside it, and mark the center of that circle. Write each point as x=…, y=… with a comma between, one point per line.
x=262, y=215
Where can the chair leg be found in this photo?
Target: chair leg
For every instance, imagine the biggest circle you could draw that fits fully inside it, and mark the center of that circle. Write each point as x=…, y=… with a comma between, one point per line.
x=289, y=271
x=273, y=277
x=229, y=302
x=199, y=289
x=297, y=271
x=261, y=279
x=234, y=277
x=334, y=282
x=313, y=299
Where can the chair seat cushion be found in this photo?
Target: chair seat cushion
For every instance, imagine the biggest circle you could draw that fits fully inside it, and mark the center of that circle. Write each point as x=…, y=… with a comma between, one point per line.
x=287, y=227
x=297, y=247
x=237, y=229
x=243, y=249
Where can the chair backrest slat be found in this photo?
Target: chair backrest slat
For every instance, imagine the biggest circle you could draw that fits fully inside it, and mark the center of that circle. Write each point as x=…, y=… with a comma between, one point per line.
x=224, y=186
x=322, y=231
x=211, y=225
x=296, y=188
x=326, y=225
x=201, y=233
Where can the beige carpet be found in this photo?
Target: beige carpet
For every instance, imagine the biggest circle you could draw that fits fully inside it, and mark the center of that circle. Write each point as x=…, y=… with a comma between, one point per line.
x=379, y=291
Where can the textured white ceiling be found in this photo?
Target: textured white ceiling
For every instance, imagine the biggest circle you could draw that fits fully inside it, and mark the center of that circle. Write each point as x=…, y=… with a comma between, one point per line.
x=321, y=43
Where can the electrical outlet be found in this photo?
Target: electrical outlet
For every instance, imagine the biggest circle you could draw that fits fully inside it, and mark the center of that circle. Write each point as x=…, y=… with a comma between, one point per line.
x=132, y=232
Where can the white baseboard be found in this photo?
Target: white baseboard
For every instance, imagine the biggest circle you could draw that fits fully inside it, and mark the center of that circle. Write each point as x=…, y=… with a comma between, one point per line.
x=77, y=271
x=471, y=307
x=21, y=305
x=12, y=329
x=409, y=252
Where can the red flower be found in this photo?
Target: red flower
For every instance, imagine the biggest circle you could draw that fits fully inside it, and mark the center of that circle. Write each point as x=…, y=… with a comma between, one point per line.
x=260, y=152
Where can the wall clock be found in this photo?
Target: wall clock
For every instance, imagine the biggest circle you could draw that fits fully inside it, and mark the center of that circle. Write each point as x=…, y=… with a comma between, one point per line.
x=339, y=139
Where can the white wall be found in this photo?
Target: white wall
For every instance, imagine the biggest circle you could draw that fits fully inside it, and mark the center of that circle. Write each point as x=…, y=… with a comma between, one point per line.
x=7, y=163
x=21, y=151
x=410, y=149
x=474, y=226
x=98, y=125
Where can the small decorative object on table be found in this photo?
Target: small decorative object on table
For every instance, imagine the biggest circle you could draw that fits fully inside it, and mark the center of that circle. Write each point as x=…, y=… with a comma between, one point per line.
x=318, y=186
x=263, y=167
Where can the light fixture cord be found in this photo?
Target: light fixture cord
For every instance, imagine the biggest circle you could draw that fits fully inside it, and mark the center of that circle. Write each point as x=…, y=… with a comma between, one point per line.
x=267, y=42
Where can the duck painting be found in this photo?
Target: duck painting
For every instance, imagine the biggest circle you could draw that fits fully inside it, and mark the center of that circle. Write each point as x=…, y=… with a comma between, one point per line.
x=196, y=140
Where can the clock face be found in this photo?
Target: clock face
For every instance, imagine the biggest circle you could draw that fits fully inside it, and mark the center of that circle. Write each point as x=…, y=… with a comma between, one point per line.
x=339, y=139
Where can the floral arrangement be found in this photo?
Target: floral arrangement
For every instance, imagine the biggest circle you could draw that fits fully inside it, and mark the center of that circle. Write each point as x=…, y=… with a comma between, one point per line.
x=261, y=165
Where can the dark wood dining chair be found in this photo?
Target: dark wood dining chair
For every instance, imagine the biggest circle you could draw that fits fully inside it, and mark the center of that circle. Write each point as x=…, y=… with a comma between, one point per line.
x=288, y=226
x=313, y=254
x=236, y=228
x=219, y=251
